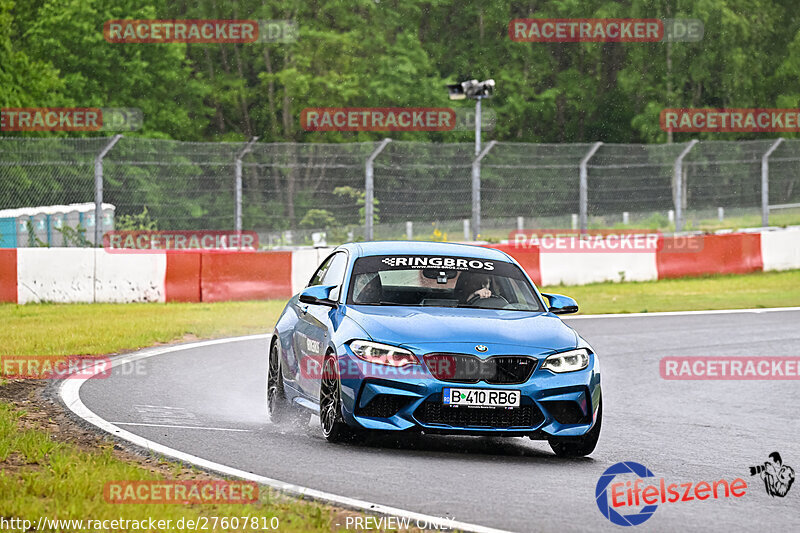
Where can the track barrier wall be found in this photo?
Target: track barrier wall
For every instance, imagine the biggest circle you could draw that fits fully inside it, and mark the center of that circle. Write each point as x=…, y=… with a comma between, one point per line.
x=583, y=268
x=55, y=275
x=245, y=276
x=94, y=275
x=780, y=250
x=8, y=276
x=733, y=253
x=182, y=279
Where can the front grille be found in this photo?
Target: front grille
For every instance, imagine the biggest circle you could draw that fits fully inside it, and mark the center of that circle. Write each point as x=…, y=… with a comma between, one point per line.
x=383, y=406
x=468, y=368
x=433, y=412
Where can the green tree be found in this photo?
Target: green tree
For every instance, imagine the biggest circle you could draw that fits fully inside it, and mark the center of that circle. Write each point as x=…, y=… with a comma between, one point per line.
x=24, y=81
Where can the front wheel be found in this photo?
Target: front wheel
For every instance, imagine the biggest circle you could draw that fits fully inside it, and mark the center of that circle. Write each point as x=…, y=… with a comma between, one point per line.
x=334, y=428
x=578, y=446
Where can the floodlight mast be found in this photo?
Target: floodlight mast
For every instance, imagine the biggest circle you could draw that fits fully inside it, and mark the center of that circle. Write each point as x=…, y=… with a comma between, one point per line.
x=476, y=90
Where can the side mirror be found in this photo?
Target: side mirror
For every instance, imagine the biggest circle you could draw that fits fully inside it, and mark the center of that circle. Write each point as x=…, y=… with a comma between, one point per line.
x=560, y=304
x=318, y=295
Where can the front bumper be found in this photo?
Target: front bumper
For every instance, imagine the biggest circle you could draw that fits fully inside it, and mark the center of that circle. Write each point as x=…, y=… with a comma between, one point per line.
x=384, y=398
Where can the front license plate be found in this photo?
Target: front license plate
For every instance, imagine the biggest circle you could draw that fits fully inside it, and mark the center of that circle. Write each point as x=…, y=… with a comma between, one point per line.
x=481, y=397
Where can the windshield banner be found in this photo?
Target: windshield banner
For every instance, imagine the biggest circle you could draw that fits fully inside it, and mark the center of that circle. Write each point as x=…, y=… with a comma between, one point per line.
x=413, y=262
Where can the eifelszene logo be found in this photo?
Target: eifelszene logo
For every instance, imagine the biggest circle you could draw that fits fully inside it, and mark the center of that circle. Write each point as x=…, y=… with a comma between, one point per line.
x=778, y=477
x=616, y=496
x=601, y=494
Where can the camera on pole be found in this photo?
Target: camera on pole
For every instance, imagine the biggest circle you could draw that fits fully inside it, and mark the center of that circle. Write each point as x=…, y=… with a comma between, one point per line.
x=474, y=90
x=471, y=89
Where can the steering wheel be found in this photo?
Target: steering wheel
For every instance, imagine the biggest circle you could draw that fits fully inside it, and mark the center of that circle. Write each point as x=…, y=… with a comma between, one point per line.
x=494, y=300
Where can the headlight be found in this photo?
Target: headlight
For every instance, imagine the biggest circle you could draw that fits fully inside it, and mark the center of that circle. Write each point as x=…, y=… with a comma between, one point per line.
x=570, y=361
x=383, y=354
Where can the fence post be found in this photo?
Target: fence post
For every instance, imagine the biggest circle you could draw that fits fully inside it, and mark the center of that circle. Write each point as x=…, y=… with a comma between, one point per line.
x=765, y=182
x=677, y=193
x=98, y=189
x=583, y=193
x=369, y=191
x=237, y=188
x=476, y=190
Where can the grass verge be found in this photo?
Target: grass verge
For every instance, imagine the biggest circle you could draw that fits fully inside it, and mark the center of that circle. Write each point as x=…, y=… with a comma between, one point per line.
x=97, y=329
x=757, y=290
x=45, y=478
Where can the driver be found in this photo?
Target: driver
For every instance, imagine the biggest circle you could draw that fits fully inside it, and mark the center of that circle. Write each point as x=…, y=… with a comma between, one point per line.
x=475, y=286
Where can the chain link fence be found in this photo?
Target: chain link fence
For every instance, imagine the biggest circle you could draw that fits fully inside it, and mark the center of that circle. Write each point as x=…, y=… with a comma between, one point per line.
x=290, y=190
x=183, y=185
x=46, y=171
x=535, y=181
x=287, y=191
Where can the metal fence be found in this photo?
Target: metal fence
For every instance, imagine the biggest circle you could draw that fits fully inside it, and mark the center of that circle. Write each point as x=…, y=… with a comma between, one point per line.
x=285, y=191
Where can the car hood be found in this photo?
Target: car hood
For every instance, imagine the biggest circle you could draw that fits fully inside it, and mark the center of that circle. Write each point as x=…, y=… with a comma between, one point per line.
x=427, y=327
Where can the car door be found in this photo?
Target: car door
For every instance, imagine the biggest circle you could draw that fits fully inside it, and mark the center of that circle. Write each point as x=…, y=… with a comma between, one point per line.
x=295, y=372
x=312, y=334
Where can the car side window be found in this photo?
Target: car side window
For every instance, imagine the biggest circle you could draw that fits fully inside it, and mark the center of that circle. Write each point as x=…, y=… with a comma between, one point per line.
x=334, y=274
x=319, y=275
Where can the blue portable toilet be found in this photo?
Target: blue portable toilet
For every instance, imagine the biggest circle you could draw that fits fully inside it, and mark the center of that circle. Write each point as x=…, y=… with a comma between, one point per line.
x=40, y=227
x=48, y=221
x=87, y=221
x=8, y=228
x=56, y=222
x=109, y=210
x=24, y=223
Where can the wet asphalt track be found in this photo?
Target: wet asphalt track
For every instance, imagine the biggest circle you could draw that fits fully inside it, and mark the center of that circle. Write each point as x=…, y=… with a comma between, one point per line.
x=682, y=430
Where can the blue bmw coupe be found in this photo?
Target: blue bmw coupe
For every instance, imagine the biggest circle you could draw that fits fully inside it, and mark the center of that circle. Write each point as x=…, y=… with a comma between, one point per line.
x=434, y=337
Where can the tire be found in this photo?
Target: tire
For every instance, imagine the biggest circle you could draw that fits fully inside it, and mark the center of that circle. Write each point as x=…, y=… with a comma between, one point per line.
x=579, y=446
x=277, y=406
x=333, y=426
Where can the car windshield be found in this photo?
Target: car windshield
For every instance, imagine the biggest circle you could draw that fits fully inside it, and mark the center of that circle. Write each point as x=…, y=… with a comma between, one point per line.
x=441, y=281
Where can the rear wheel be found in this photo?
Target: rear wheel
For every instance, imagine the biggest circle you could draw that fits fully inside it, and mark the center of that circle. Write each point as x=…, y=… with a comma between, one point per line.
x=334, y=428
x=578, y=446
x=276, y=398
